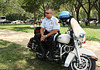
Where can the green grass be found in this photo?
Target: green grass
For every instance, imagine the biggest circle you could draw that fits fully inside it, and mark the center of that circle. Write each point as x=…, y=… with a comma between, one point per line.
x=92, y=32
x=17, y=27
x=16, y=57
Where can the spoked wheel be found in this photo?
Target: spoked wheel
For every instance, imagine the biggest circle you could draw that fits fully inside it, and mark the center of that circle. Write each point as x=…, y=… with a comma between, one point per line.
x=41, y=54
x=86, y=64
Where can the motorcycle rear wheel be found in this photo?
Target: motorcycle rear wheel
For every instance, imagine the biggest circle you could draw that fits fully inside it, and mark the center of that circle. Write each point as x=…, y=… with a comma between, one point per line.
x=41, y=55
x=87, y=64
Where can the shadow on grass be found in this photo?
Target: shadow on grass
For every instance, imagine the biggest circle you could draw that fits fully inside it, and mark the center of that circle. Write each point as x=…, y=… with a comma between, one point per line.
x=93, y=39
x=91, y=26
x=14, y=24
x=18, y=27
x=24, y=29
x=17, y=57
x=44, y=65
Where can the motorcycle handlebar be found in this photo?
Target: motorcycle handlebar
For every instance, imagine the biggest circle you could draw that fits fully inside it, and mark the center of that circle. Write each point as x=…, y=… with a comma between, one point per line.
x=63, y=22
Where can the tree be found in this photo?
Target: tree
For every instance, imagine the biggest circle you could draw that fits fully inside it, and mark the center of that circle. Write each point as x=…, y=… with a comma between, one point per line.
x=44, y=5
x=31, y=6
x=59, y=5
x=82, y=14
x=77, y=6
x=8, y=7
x=55, y=5
x=3, y=6
x=97, y=7
x=90, y=5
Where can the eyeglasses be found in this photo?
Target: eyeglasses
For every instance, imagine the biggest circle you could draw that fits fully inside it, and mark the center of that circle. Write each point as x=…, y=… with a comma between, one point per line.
x=47, y=13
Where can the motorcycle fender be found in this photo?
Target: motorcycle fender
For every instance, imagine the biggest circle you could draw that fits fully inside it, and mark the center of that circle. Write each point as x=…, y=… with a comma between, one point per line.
x=82, y=51
x=69, y=58
x=87, y=52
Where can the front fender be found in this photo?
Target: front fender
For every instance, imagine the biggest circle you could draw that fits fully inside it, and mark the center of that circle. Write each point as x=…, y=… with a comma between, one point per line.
x=82, y=51
x=87, y=52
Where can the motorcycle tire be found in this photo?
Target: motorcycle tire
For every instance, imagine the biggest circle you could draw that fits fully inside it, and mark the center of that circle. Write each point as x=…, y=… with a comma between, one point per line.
x=87, y=64
x=40, y=54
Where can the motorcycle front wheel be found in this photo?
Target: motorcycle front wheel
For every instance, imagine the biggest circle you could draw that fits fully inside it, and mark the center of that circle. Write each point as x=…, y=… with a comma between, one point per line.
x=87, y=64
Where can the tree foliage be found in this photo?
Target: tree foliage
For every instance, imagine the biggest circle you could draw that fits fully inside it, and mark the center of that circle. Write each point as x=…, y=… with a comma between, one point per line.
x=88, y=8
x=80, y=9
x=97, y=7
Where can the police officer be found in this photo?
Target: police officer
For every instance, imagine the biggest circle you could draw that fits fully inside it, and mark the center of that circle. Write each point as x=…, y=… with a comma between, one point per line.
x=49, y=30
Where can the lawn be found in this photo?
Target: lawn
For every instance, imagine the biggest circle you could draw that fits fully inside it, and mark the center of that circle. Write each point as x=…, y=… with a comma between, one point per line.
x=92, y=32
x=17, y=27
x=16, y=57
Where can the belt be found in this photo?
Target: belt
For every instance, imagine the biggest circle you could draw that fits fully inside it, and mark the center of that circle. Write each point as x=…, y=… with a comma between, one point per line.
x=46, y=32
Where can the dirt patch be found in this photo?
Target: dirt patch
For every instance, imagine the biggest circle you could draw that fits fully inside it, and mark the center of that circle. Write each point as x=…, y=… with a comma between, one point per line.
x=23, y=38
x=94, y=47
x=14, y=36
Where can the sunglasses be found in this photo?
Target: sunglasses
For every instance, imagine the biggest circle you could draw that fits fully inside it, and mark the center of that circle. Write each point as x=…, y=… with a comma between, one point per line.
x=47, y=13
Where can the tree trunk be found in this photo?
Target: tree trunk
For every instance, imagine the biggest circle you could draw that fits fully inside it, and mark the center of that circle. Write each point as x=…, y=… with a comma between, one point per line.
x=88, y=19
x=72, y=10
x=99, y=17
x=20, y=18
x=44, y=12
x=34, y=12
x=77, y=15
x=99, y=13
x=44, y=9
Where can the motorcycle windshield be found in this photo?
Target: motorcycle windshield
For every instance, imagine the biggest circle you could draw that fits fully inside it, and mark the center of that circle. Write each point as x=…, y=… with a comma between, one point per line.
x=77, y=28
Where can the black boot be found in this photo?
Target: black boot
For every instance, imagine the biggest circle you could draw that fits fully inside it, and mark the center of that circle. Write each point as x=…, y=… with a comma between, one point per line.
x=51, y=54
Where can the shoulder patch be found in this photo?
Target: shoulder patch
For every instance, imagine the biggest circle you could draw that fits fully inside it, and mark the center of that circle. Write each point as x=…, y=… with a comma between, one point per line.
x=51, y=22
x=56, y=21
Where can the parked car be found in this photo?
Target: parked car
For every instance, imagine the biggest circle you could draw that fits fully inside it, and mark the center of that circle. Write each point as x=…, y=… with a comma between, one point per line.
x=81, y=22
x=97, y=21
x=92, y=21
x=16, y=22
x=6, y=22
x=2, y=19
x=31, y=21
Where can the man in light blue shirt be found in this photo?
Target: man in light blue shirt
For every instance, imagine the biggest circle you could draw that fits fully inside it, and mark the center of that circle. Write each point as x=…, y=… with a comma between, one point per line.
x=49, y=30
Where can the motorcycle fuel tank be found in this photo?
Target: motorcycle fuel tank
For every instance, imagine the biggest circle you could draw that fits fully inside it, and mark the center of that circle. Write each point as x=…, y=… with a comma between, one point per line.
x=63, y=38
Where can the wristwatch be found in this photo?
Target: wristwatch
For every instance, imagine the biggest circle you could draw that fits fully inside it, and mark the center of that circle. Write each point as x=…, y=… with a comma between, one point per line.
x=46, y=36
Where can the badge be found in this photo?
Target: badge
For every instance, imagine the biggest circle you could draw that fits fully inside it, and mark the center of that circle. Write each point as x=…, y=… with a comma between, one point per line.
x=51, y=22
x=56, y=21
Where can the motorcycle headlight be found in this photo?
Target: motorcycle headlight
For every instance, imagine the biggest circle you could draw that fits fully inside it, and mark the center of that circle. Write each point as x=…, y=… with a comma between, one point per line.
x=83, y=38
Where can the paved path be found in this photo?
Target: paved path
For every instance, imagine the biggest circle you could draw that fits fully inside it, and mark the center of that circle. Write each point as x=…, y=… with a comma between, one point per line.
x=23, y=38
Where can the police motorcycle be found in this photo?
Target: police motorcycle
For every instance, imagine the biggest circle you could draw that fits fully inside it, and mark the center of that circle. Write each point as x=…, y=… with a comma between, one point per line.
x=68, y=49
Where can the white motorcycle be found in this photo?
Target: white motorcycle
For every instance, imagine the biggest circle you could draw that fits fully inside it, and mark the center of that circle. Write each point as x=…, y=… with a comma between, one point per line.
x=68, y=49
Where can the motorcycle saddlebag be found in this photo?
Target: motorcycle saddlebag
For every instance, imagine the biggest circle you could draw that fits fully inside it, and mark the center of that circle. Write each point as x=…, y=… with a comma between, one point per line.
x=30, y=42
x=37, y=30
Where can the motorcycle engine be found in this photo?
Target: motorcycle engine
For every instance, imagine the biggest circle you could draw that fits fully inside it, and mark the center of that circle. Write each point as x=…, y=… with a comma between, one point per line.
x=61, y=51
